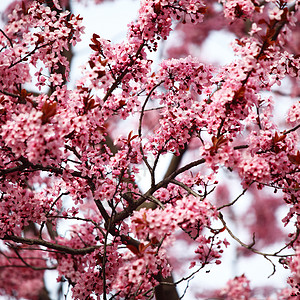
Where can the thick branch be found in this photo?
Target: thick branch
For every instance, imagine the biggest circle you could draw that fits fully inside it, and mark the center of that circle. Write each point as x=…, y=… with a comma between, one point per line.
x=27, y=166
x=163, y=183
x=60, y=248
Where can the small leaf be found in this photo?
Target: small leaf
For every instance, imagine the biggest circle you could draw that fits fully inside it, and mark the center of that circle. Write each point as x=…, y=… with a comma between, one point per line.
x=133, y=249
x=295, y=159
x=143, y=247
x=48, y=110
x=278, y=138
x=95, y=47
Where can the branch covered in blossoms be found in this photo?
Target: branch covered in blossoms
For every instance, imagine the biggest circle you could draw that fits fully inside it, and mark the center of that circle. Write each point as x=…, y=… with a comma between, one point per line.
x=86, y=187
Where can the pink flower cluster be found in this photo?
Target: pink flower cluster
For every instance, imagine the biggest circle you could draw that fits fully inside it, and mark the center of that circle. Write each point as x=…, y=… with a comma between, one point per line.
x=237, y=288
x=186, y=213
x=139, y=273
x=25, y=135
x=293, y=117
x=208, y=251
x=19, y=207
x=155, y=16
x=239, y=9
x=255, y=168
x=13, y=272
x=294, y=280
x=184, y=79
x=24, y=46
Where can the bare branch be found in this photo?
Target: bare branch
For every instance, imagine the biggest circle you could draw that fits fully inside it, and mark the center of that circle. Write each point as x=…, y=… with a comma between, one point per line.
x=236, y=199
x=249, y=247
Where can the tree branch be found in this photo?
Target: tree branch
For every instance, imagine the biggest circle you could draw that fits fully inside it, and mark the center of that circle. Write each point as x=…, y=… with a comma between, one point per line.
x=60, y=248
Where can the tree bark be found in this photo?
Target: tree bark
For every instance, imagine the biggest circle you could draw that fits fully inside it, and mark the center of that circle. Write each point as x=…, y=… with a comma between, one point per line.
x=164, y=291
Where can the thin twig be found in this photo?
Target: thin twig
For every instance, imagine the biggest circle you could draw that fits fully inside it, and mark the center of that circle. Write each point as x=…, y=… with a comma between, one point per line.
x=249, y=247
x=30, y=53
x=235, y=200
x=140, y=131
x=28, y=265
x=9, y=40
x=291, y=130
x=119, y=79
x=156, y=201
x=189, y=190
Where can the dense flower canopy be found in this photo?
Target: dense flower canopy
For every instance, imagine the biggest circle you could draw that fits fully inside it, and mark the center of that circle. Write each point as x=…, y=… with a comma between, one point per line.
x=78, y=153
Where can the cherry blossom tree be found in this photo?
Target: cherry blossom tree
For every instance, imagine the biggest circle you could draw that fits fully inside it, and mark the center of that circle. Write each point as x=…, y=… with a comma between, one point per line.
x=135, y=157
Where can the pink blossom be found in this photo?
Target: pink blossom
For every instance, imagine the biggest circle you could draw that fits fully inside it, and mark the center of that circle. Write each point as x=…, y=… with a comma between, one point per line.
x=275, y=13
x=133, y=158
x=237, y=288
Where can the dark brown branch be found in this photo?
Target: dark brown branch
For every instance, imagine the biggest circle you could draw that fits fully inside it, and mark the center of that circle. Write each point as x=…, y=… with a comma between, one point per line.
x=60, y=248
x=9, y=40
x=182, y=169
x=29, y=265
x=175, y=162
x=236, y=199
x=30, y=53
x=166, y=288
x=9, y=94
x=27, y=166
x=163, y=183
x=102, y=210
x=241, y=147
x=119, y=79
x=292, y=129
